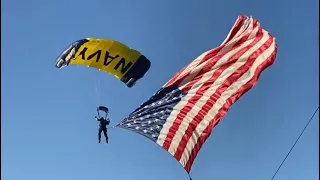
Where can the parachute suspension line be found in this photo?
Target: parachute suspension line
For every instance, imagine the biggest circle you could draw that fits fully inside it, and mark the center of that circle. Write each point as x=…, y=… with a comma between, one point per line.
x=111, y=127
x=95, y=86
x=97, y=91
x=295, y=142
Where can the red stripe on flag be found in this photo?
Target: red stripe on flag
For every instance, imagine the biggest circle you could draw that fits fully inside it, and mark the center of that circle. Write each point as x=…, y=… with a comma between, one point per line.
x=231, y=100
x=207, y=56
x=236, y=28
x=212, y=62
x=172, y=80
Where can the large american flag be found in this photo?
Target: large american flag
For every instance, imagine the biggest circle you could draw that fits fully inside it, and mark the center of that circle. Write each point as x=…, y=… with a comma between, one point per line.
x=182, y=114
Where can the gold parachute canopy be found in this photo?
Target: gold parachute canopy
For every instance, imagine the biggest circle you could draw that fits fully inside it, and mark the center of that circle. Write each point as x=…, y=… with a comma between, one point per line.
x=127, y=65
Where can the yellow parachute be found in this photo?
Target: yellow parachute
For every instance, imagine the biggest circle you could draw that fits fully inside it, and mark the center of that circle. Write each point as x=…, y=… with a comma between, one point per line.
x=115, y=58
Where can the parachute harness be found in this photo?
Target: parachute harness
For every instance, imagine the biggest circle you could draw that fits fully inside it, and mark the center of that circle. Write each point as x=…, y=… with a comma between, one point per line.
x=106, y=110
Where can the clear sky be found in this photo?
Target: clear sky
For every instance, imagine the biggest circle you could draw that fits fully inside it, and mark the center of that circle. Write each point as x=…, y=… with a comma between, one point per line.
x=48, y=126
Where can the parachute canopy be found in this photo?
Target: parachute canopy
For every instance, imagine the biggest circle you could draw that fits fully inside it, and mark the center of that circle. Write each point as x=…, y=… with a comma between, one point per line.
x=182, y=114
x=115, y=58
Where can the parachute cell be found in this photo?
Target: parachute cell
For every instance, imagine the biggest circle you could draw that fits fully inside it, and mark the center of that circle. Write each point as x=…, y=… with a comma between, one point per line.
x=182, y=114
x=115, y=58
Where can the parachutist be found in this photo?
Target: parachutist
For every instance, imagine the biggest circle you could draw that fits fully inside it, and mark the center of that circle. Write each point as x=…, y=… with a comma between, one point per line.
x=103, y=127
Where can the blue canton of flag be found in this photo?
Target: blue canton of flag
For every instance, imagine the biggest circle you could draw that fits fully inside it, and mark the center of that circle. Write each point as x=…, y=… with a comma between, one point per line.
x=149, y=118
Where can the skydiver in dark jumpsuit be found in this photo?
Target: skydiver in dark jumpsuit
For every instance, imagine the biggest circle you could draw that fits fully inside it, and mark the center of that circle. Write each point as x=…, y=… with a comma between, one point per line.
x=103, y=127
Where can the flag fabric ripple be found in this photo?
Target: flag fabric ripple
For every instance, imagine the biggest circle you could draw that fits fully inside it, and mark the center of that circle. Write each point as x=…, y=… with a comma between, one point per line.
x=182, y=114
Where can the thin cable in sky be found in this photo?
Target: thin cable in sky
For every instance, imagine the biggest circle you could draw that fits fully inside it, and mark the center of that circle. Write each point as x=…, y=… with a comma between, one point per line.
x=295, y=143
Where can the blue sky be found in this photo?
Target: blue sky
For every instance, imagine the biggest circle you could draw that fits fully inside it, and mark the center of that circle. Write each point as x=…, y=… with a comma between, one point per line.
x=48, y=126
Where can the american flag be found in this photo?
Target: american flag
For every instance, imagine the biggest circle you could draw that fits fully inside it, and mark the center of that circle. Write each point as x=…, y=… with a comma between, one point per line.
x=182, y=114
